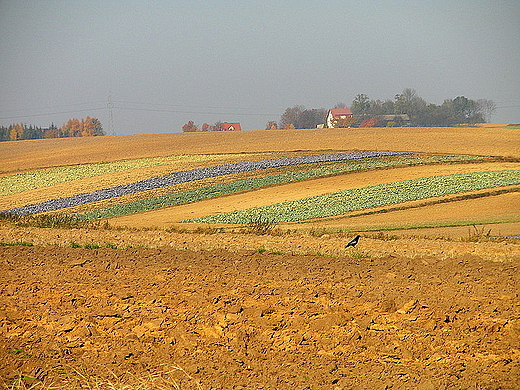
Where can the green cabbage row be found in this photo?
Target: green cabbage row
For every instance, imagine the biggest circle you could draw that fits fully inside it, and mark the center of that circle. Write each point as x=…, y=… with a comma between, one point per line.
x=252, y=183
x=342, y=202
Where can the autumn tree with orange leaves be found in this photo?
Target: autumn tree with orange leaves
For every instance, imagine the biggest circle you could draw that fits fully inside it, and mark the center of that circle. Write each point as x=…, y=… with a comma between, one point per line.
x=88, y=127
x=190, y=127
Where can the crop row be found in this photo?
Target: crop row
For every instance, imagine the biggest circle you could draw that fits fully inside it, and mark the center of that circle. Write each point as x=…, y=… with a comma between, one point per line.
x=186, y=176
x=39, y=178
x=26, y=181
x=251, y=183
x=342, y=202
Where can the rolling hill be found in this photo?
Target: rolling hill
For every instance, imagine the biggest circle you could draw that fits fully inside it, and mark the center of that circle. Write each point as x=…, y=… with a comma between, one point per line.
x=380, y=179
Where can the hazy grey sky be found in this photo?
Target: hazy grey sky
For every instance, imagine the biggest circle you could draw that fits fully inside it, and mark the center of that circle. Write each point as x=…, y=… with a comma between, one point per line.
x=167, y=62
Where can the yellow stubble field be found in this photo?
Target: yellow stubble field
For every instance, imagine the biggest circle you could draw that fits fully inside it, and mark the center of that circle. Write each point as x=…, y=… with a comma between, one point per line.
x=500, y=208
x=24, y=155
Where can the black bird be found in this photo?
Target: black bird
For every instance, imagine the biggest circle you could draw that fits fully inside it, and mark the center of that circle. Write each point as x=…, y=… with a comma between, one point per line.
x=354, y=242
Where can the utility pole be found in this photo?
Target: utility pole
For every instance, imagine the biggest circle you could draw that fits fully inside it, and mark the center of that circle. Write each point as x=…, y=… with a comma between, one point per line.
x=110, y=107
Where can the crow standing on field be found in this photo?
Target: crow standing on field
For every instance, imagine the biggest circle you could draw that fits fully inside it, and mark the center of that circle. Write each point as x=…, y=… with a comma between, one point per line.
x=354, y=242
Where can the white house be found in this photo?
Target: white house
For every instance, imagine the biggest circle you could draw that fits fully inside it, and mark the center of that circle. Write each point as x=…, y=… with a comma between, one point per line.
x=336, y=115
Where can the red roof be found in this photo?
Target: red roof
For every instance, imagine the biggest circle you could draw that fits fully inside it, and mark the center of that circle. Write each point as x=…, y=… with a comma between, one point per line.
x=340, y=111
x=226, y=126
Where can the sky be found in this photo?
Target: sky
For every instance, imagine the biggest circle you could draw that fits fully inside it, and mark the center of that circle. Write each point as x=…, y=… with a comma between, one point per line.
x=164, y=63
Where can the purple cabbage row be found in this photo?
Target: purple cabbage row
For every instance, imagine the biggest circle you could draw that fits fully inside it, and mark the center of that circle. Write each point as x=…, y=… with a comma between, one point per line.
x=186, y=176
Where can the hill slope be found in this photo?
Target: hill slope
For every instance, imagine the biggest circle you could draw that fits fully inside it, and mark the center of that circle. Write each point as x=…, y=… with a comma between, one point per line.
x=24, y=155
x=122, y=177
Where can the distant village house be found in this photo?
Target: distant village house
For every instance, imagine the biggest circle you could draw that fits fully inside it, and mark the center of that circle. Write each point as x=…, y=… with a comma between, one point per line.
x=339, y=117
x=227, y=126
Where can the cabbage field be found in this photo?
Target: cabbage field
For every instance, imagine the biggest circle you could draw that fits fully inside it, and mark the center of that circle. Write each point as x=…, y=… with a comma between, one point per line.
x=244, y=173
x=339, y=203
x=31, y=180
x=174, y=178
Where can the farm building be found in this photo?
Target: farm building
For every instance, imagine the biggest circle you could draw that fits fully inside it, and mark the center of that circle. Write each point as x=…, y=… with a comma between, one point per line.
x=393, y=120
x=227, y=126
x=339, y=117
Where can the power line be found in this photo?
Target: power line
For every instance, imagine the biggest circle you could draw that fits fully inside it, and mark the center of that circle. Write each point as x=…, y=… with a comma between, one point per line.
x=121, y=105
x=53, y=113
x=193, y=112
x=51, y=107
x=183, y=105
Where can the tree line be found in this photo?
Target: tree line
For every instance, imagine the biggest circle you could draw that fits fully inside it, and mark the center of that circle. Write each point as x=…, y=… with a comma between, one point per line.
x=87, y=127
x=369, y=112
x=191, y=127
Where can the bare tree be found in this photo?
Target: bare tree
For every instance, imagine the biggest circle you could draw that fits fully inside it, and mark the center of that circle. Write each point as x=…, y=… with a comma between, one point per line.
x=486, y=108
x=409, y=102
x=291, y=116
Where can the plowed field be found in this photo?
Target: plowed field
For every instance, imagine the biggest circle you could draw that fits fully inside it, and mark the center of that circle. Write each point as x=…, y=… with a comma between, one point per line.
x=123, y=308
x=389, y=314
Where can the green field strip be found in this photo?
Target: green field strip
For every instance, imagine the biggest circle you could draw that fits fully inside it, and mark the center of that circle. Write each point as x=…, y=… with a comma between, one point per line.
x=283, y=176
x=346, y=201
x=329, y=168
x=40, y=178
x=208, y=192
x=483, y=193
x=46, y=177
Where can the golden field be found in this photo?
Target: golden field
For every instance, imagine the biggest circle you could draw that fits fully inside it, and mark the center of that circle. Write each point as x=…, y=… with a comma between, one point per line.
x=24, y=155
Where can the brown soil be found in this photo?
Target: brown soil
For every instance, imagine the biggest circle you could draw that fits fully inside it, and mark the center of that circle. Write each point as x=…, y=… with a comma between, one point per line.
x=403, y=314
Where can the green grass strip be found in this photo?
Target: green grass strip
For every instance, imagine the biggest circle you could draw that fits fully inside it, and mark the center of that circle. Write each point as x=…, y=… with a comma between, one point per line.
x=252, y=183
x=342, y=202
x=16, y=243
